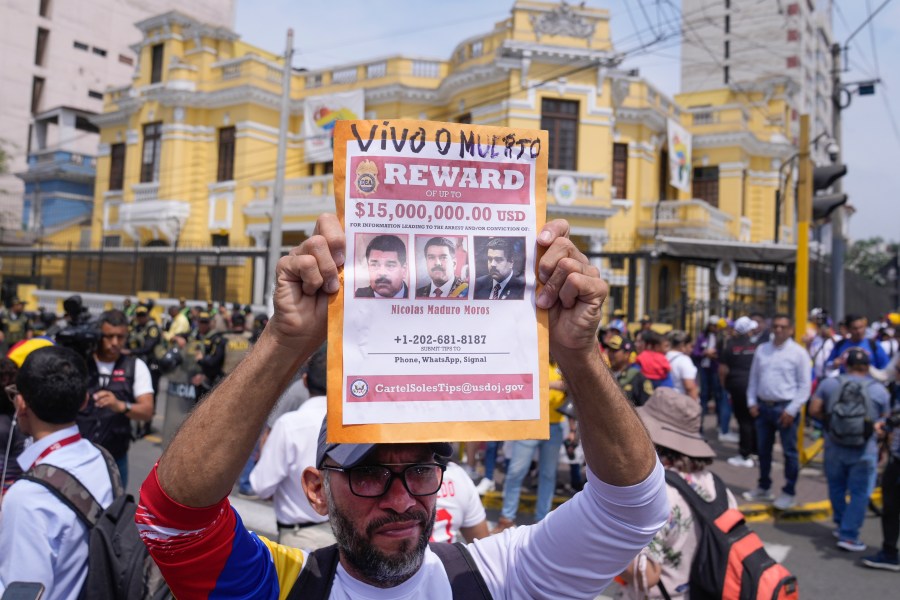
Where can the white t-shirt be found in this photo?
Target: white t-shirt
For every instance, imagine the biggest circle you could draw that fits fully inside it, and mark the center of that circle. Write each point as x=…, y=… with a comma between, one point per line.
x=142, y=382
x=682, y=368
x=458, y=505
x=573, y=553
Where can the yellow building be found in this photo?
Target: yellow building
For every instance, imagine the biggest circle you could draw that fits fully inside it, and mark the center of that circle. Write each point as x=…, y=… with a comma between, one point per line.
x=188, y=149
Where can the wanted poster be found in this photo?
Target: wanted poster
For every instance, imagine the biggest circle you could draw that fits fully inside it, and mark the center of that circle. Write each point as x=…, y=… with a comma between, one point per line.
x=435, y=334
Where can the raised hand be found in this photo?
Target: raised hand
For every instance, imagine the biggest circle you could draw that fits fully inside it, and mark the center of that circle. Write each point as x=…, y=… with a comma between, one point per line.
x=303, y=281
x=573, y=292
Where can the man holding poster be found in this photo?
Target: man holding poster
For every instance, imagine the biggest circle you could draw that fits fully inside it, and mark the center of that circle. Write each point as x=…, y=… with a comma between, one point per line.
x=204, y=550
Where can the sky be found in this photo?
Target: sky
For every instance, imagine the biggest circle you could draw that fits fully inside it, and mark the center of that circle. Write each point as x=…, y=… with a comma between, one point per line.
x=350, y=31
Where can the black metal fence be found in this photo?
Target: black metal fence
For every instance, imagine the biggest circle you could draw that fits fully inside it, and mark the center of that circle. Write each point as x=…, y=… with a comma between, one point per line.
x=229, y=274
x=222, y=274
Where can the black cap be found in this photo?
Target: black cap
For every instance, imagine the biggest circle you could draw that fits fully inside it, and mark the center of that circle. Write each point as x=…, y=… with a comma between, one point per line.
x=350, y=455
x=857, y=357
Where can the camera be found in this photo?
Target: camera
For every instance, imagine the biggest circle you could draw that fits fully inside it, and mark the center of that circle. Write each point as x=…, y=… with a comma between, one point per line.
x=893, y=421
x=82, y=335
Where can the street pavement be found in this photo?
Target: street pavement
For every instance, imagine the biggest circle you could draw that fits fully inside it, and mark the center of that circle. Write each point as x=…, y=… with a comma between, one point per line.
x=800, y=539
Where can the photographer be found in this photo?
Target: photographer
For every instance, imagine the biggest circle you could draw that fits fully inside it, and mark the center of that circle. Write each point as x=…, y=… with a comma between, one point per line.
x=119, y=389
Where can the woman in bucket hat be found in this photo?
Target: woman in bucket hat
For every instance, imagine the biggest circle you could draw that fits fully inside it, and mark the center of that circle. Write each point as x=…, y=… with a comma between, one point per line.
x=673, y=421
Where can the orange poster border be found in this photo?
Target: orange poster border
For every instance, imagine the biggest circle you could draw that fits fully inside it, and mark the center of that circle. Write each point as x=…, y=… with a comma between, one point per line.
x=444, y=430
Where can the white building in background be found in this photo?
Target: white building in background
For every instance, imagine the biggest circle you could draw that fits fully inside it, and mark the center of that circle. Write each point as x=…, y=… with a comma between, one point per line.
x=738, y=42
x=65, y=53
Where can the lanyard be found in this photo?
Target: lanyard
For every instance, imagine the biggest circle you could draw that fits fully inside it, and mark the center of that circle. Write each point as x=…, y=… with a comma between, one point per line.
x=56, y=446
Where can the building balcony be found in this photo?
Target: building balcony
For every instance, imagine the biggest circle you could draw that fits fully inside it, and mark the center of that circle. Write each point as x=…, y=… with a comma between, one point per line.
x=163, y=219
x=588, y=188
x=309, y=196
x=568, y=192
x=60, y=165
x=684, y=218
x=144, y=192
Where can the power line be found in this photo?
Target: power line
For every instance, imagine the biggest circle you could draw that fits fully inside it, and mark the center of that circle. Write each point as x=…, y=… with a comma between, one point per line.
x=872, y=38
x=631, y=18
x=737, y=87
x=401, y=32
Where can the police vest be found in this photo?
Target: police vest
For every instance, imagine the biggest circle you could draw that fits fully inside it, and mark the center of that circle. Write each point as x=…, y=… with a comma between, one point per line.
x=14, y=329
x=112, y=430
x=237, y=345
x=138, y=337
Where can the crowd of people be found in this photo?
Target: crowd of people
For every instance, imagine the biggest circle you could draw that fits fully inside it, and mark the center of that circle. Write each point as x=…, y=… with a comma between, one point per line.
x=338, y=507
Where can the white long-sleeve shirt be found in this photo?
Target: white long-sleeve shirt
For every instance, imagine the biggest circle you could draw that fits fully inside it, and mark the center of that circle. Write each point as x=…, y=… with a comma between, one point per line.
x=780, y=373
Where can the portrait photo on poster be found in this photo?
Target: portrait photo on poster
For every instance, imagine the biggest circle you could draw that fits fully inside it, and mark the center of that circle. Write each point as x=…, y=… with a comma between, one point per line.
x=499, y=267
x=442, y=267
x=381, y=266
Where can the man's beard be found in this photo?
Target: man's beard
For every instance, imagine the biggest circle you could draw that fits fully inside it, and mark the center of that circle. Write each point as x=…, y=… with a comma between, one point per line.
x=376, y=567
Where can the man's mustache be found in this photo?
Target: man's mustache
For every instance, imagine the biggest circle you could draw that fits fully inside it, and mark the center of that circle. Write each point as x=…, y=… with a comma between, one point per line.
x=416, y=517
x=382, y=280
x=438, y=269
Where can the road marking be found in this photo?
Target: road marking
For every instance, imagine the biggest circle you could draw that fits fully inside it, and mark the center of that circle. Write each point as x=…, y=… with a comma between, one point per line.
x=778, y=552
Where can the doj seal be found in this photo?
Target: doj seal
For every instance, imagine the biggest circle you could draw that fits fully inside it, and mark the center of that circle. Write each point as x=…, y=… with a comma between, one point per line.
x=359, y=388
x=366, y=177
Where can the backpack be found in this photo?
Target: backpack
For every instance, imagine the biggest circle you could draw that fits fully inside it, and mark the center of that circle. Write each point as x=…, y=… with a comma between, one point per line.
x=731, y=562
x=317, y=576
x=119, y=565
x=849, y=419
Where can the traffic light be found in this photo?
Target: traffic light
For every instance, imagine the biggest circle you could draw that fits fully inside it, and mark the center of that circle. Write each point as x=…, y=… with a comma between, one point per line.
x=824, y=178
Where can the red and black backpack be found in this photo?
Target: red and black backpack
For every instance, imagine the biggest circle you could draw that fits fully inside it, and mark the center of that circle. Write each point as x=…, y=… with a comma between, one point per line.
x=731, y=562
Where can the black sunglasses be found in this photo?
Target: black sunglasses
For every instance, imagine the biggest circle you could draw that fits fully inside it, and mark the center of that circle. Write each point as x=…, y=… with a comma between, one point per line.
x=373, y=481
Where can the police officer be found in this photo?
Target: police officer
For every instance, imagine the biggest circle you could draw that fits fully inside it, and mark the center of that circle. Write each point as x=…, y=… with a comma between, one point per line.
x=145, y=343
x=16, y=326
x=208, y=347
x=237, y=344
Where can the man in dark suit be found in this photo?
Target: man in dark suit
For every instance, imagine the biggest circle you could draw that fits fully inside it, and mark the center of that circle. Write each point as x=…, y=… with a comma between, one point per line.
x=386, y=258
x=501, y=282
x=440, y=258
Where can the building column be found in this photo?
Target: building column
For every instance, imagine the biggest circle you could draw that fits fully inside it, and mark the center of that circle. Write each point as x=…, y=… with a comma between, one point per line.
x=67, y=129
x=259, y=269
x=595, y=246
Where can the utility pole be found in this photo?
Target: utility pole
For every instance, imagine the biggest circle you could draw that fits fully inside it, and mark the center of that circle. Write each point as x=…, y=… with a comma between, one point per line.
x=804, y=216
x=838, y=243
x=278, y=189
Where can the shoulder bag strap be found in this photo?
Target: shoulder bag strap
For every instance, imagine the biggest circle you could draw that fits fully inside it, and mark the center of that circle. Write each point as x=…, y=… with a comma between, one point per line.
x=465, y=578
x=69, y=490
x=317, y=575
x=115, y=478
x=708, y=511
x=663, y=590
